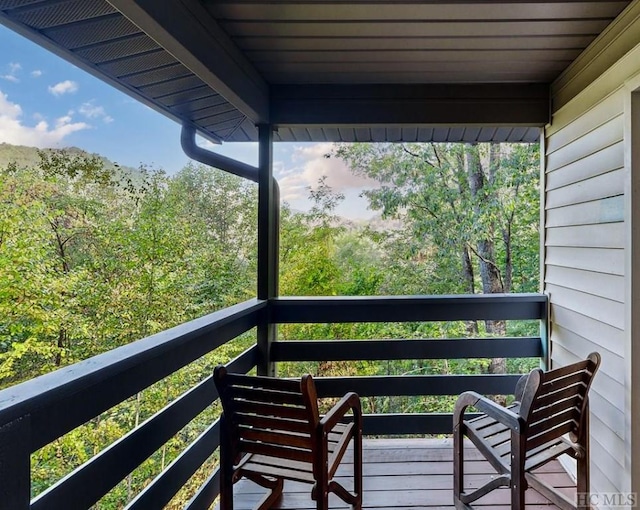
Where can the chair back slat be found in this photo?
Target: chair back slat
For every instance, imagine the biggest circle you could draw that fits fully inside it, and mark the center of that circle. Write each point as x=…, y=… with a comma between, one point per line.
x=556, y=407
x=550, y=434
x=273, y=423
x=578, y=366
x=276, y=438
x=278, y=451
x=554, y=402
x=555, y=381
x=264, y=409
x=568, y=415
x=267, y=383
x=549, y=398
x=275, y=397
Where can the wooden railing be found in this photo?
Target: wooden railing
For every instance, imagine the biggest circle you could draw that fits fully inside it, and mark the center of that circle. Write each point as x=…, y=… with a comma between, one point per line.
x=39, y=411
x=412, y=309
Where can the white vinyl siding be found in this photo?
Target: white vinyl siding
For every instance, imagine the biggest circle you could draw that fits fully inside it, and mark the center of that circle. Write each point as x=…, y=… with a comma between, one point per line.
x=600, y=260
x=586, y=239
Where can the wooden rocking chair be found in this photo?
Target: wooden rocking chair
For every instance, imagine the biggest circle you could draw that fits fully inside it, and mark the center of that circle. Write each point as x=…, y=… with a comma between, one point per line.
x=272, y=431
x=549, y=418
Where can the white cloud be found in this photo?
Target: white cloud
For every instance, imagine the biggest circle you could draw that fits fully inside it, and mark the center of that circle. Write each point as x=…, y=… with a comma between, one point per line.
x=9, y=109
x=310, y=164
x=207, y=144
x=92, y=111
x=36, y=73
x=14, y=69
x=41, y=135
x=64, y=87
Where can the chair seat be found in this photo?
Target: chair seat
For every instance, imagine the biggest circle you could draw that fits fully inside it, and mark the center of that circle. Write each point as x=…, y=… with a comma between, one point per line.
x=298, y=470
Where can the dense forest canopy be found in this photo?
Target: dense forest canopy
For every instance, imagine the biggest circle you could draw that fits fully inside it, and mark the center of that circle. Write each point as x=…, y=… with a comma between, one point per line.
x=93, y=256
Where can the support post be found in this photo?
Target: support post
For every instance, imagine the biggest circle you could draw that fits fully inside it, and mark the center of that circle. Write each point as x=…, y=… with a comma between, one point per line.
x=267, y=245
x=545, y=327
x=545, y=322
x=15, y=465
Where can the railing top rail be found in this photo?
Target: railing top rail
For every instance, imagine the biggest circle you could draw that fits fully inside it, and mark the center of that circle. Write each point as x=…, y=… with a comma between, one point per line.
x=104, y=380
x=408, y=308
x=533, y=297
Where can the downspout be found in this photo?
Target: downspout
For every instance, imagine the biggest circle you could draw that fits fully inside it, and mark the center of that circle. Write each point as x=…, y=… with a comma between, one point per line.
x=191, y=149
x=197, y=153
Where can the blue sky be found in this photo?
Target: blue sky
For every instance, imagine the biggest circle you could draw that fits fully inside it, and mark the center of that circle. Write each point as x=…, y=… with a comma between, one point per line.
x=47, y=102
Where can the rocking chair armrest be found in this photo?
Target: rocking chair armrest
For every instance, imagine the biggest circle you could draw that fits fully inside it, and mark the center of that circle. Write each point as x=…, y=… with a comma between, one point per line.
x=489, y=407
x=350, y=402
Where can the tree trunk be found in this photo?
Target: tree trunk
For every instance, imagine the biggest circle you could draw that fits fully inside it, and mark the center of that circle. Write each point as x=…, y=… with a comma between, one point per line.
x=485, y=249
x=494, y=165
x=467, y=269
x=508, y=262
x=61, y=344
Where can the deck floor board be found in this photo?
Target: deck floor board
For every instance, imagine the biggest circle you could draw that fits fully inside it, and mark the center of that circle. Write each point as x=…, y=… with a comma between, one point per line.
x=404, y=474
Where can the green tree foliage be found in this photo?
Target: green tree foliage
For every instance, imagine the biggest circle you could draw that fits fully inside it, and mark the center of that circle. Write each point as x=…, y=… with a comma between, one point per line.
x=92, y=258
x=307, y=246
x=455, y=201
x=48, y=216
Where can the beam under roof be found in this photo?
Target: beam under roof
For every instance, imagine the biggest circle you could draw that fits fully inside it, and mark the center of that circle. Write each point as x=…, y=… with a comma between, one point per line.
x=187, y=31
x=456, y=104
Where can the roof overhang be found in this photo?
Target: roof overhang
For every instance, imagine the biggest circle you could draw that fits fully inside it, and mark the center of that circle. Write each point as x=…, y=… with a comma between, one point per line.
x=327, y=71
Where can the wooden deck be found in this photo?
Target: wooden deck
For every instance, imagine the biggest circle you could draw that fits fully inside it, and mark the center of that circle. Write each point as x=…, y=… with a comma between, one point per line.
x=405, y=474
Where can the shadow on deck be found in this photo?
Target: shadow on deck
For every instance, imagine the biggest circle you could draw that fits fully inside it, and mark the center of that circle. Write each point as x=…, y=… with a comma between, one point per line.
x=409, y=474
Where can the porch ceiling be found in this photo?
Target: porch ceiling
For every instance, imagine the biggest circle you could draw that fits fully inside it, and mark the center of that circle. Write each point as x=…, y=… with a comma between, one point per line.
x=325, y=70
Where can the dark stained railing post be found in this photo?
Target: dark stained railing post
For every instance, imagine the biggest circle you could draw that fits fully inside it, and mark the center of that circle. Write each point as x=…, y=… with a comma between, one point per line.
x=15, y=464
x=267, y=246
x=545, y=334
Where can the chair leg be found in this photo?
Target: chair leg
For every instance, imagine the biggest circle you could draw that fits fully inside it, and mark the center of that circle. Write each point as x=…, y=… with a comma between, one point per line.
x=226, y=490
x=583, y=485
x=273, y=494
x=226, y=470
x=320, y=490
x=322, y=499
x=518, y=481
x=582, y=482
x=357, y=469
x=458, y=463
